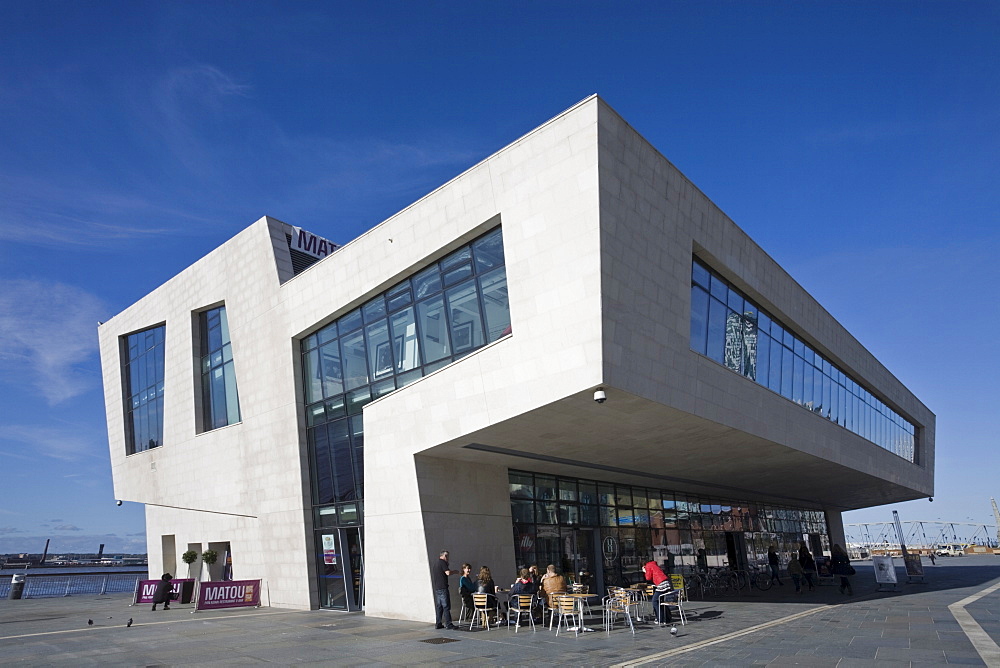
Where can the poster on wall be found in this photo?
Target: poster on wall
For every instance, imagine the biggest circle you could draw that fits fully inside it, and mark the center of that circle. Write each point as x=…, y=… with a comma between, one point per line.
x=329, y=550
x=145, y=589
x=231, y=594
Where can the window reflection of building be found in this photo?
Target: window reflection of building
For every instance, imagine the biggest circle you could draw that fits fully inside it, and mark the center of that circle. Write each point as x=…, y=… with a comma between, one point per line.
x=731, y=329
x=549, y=512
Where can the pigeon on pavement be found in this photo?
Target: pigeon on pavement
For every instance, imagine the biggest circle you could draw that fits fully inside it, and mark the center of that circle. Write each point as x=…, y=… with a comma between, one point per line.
x=90, y=622
x=129, y=623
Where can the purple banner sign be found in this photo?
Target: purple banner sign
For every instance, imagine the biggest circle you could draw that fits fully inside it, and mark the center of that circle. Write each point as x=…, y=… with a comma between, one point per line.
x=228, y=594
x=146, y=588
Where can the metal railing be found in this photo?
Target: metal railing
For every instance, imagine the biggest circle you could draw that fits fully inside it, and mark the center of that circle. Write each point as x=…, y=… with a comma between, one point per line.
x=74, y=585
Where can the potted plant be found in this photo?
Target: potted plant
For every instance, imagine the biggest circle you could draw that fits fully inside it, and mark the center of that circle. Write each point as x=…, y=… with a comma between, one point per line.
x=209, y=557
x=189, y=558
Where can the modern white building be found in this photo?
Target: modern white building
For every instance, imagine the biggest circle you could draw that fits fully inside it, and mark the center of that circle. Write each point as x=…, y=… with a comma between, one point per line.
x=324, y=412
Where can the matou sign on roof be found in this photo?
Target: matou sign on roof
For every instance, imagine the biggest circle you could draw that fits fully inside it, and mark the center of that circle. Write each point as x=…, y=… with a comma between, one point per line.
x=311, y=244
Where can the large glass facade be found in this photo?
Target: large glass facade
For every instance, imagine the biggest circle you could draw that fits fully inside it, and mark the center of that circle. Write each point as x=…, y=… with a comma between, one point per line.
x=419, y=325
x=142, y=371
x=219, y=399
x=732, y=330
x=601, y=533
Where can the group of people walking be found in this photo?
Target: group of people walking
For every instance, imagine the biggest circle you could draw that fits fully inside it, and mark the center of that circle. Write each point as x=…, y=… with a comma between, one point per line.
x=802, y=566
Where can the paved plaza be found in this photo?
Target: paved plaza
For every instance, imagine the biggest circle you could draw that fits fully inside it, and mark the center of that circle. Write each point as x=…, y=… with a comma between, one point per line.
x=913, y=626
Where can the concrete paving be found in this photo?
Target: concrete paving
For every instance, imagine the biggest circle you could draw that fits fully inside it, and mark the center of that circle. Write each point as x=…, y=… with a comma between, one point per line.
x=909, y=627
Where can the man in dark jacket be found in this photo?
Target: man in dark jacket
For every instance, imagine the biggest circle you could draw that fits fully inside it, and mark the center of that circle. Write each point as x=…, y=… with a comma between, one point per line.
x=162, y=593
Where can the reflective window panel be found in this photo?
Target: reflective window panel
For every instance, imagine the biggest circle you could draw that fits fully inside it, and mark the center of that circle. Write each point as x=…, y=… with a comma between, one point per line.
x=728, y=327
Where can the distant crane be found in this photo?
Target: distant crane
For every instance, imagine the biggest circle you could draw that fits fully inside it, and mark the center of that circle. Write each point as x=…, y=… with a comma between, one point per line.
x=996, y=516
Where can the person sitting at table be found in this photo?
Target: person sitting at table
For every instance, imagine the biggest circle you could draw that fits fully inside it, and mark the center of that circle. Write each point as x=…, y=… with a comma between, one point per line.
x=533, y=574
x=661, y=588
x=485, y=585
x=523, y=586
x=467, y=587
x=552, y=583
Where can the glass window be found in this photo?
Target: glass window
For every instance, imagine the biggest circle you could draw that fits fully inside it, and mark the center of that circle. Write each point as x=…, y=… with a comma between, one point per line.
x=699, y=319
x=354, y=359
x=763, y=322
x=762, y=363
x=312, y=376
x=733, y=353
x=380, y=362
x=398, y=297
x=142, y=372
x=350, y=322
x=220, y=403
x=797, y=379
x=427, y=282
x=466, y=323
x=328, y=333
x=404, y=338
x=787, y=372
x=488, y=251
x=343, y=464
x=496, y=304
x=374, y=309
x=774, y=375
x=333, y=379
x=699, y=274
x=719, y=289
x=717, y=313
x=433, y=329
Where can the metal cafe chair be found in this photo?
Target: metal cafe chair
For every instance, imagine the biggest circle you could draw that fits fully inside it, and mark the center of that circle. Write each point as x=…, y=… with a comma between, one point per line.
x=481, y=610
x=618, y=603
x=551, y=608
x=566, y=607
x=673, y=600
x=521, y=604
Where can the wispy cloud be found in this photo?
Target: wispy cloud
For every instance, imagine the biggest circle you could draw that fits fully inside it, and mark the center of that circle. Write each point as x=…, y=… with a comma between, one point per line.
x=67, y=527
x=48, y=330
x=43, y=213
x=66, y=443
x=10, y=530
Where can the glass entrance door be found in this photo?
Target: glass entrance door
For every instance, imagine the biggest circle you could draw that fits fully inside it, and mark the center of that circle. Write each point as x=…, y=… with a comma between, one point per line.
x=581, y=558
x=341, y=568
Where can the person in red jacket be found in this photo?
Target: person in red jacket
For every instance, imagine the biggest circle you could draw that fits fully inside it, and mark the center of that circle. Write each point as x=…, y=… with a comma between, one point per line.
x=661, y=588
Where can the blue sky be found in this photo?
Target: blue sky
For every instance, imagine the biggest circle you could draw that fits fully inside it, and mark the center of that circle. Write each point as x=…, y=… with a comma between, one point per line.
x=856, y=142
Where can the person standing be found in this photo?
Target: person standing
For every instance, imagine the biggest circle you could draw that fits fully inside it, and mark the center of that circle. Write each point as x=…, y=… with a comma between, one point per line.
x=774, y=564
x=162, y=592
x=933, y=560
x=808, y=564
x=840, y=564
x=796, y=571
x=442, y=598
